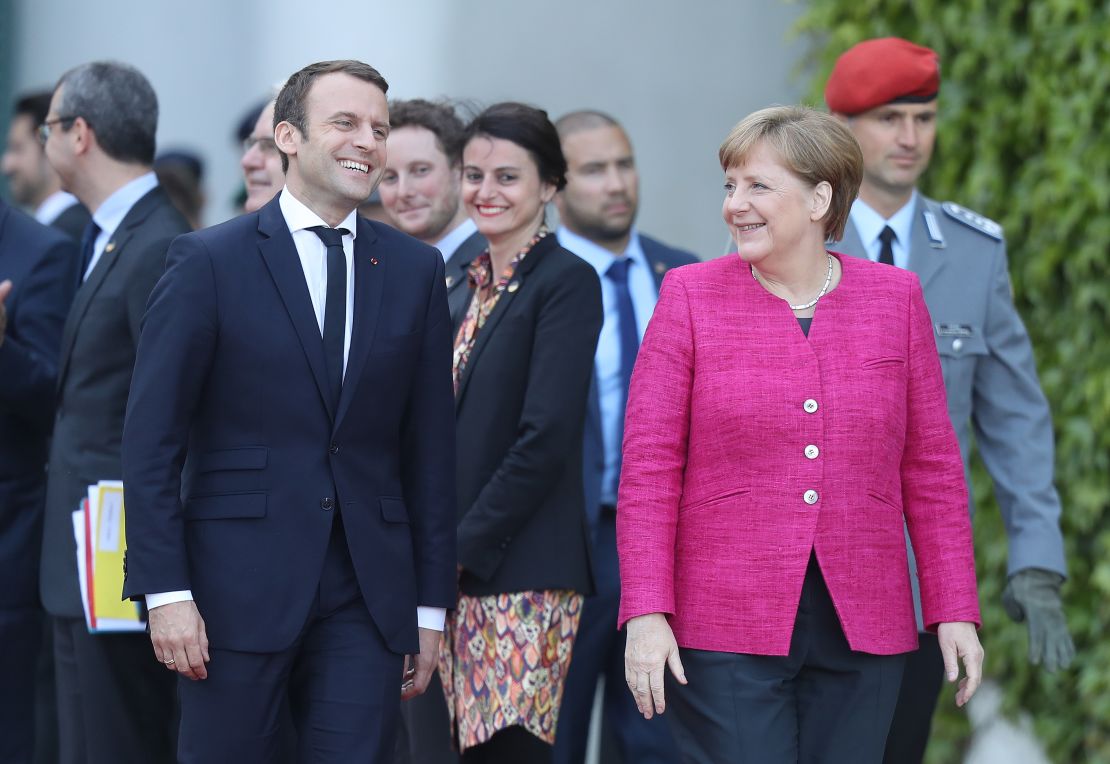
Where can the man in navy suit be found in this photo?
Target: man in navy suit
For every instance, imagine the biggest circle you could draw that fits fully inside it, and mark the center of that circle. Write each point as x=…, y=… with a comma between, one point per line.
x=289, y=452
x=38, y=275
x=597, y=210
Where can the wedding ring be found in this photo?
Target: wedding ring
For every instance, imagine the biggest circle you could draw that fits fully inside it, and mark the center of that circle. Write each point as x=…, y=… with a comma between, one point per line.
x=169, y=662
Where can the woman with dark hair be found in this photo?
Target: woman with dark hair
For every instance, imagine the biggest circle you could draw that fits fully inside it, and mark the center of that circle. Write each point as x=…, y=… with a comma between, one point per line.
x=523, y=360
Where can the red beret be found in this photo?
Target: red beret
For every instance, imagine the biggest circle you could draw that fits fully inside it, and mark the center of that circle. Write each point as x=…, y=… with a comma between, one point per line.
x=876, y=72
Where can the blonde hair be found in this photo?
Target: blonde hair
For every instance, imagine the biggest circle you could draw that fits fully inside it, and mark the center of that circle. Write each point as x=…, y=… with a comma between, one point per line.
x=813, y=145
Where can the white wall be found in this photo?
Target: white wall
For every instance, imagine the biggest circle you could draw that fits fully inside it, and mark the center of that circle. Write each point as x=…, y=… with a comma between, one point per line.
x=679, y=75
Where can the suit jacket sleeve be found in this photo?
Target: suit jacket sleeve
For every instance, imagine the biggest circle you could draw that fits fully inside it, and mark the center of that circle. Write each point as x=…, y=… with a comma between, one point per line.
x=29, y=354
x=1013, y=433
x=656, y=434
x=175, y=350
x=551, y=421
x=934, y=492
x=428, y=455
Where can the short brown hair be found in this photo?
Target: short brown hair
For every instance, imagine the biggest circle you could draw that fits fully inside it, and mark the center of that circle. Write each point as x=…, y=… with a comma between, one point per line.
x=290, y=103
x=813, y=145
x=438, y=118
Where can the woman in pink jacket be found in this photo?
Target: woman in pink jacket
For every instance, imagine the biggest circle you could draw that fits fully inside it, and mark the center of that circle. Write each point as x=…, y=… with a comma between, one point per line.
x=786, y=421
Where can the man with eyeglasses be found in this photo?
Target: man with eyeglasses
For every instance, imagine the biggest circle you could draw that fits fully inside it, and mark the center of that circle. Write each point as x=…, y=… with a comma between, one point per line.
x=261, y=162
x=33, y=183
x=114, y=702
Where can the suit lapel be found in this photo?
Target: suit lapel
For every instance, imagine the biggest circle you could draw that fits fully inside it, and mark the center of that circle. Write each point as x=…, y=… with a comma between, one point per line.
x=925, y=259
x=515, y=288
x=280, y=255
x=104, y=266
x=371, y=268
x=460, y=259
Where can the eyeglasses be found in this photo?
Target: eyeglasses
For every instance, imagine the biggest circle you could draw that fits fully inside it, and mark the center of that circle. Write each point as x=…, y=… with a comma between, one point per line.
x=47, y=125
x=265, y=145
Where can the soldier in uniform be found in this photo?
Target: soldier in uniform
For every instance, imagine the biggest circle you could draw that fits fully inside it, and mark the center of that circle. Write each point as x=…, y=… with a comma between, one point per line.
x=886, y=90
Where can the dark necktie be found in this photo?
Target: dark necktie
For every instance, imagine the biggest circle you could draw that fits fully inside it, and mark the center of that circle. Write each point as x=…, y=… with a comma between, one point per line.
x=335, y=306
x=88, y=246
x=887, y=237
x=626, y=332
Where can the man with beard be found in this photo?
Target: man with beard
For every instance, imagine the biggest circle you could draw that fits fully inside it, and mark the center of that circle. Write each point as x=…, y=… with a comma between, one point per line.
x=597, y=210
x=34, y=184
x=421, y=187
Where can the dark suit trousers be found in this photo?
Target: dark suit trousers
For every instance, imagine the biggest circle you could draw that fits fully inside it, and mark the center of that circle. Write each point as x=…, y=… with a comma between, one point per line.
x=338, y=679
x=599, y=651
x=917, y=702
x=115, y=701
x=425, y=734
x=821, y=703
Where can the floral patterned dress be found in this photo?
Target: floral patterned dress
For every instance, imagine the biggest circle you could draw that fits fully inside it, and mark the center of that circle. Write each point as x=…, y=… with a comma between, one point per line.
x=504, y=657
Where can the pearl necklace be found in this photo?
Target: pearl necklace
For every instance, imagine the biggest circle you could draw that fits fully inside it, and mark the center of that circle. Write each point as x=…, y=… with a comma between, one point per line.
x=811, y=303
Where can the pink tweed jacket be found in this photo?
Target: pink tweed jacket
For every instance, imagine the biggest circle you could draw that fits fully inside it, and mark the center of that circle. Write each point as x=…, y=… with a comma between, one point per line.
x=748, y=445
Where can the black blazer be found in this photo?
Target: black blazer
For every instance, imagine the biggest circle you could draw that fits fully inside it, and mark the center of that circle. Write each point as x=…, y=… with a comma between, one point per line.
x=97, y=356
x=519, y=413
x=42, y=266
x=458, y=294
x=72, y=221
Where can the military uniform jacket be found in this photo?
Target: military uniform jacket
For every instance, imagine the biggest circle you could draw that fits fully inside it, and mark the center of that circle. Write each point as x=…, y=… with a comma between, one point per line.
x=989, y=373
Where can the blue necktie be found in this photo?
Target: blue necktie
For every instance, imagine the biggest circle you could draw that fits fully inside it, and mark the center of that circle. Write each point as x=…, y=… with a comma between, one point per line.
x=886, y=252
x=88, y=246
x=335, y=307
x=629, y=337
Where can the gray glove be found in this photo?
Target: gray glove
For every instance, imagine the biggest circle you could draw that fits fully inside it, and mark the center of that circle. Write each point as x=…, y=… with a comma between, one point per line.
x=1034, y=595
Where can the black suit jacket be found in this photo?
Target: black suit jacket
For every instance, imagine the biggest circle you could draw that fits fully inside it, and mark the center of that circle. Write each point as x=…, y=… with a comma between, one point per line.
x=42, y=266
x=97, y=356
x=458, y=291
x=72, y=221
x=235, y=459
x=519, y=414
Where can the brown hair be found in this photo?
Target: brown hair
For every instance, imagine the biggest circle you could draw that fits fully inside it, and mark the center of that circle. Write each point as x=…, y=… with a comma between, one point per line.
x=290, y=103
x=438, y=118
x=813, y=145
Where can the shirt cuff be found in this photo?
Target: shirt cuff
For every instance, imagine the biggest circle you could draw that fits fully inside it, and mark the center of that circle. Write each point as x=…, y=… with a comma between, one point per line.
x=168, y=598
x=431, y=617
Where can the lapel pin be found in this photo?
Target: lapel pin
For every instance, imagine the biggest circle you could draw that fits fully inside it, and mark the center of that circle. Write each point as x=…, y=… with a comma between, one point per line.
x=660, y=266
x=514, y=285
x=373, y=261
x=109, y=247
x=450, y=281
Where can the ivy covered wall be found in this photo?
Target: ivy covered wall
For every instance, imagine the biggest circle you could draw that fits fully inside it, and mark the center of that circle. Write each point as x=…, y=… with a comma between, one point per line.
x=1024, y=139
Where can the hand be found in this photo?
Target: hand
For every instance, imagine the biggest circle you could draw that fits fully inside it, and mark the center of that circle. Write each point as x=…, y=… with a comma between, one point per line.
x=650, y=646
x=5, y=290
x=959, y=640
x=177, y=632
x=419, y=667
x=1033, y=594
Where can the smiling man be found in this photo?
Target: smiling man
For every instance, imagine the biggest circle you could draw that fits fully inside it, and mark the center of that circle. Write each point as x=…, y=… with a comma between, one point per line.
x=886, y=92
x=261, y=162
x=289, y=452
x=421, y=188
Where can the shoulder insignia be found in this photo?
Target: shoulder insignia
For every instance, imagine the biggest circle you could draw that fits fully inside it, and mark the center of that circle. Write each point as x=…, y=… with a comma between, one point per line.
x=973, y=220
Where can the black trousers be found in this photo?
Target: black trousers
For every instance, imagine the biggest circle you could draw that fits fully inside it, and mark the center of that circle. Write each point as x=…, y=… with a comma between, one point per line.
x=425, y=734
x=599, y=651
x=821, y=703
x=338, y=682
x=116, y=703
x=917, y=702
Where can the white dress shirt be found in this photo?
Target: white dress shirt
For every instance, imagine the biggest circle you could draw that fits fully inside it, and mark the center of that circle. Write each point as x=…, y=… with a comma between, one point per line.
x=313, y=256
x=114, y=209
x=453, y=240
x=53, y=206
